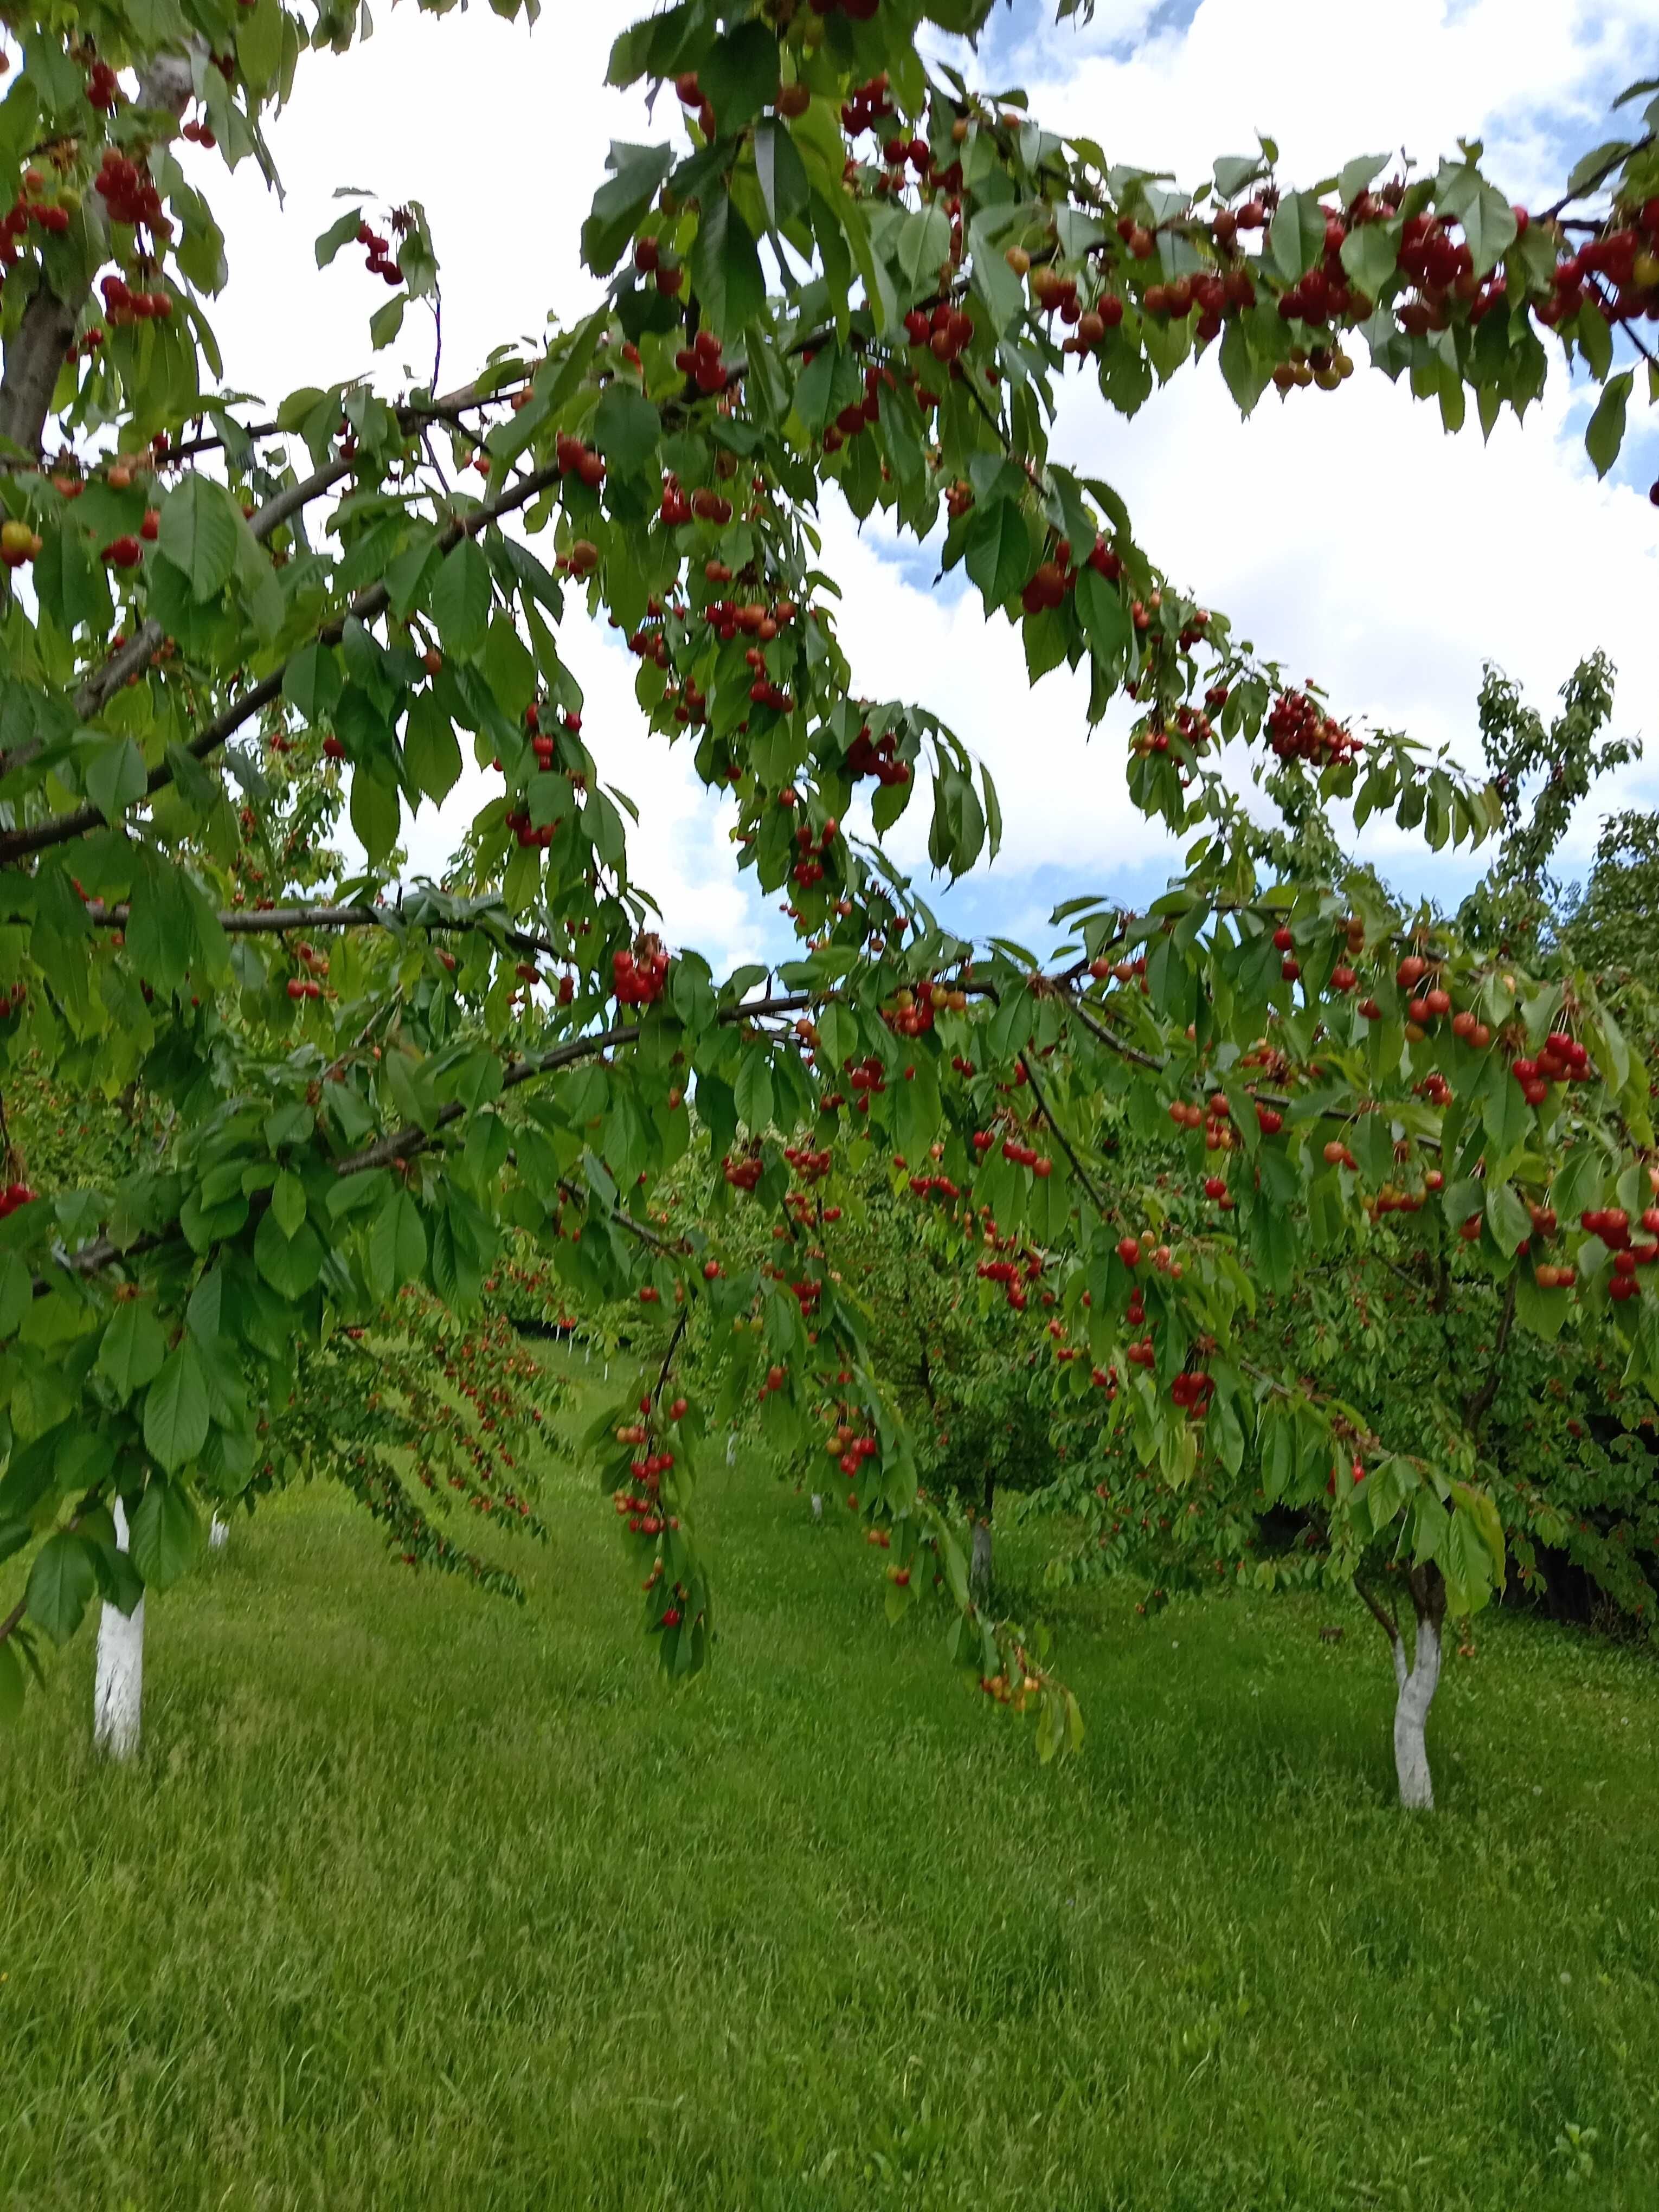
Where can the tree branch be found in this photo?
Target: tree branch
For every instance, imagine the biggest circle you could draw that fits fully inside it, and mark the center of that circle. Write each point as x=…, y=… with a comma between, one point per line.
x=278, y=921
x=133, y=656
x=64, y=829
x=1479, y=1404
x=1047, y=1114
x=1389, y=1623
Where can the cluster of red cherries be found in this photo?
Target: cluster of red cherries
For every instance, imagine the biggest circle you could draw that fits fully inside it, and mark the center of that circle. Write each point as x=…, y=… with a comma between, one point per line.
x=1299, y=729
x=638, y=976
x=865, y=757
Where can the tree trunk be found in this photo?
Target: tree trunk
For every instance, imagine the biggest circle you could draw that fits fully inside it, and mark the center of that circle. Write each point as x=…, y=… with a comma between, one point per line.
x=218, y=1534
x=1416, y=1686
x=117, y=1688
x=979, y=1567
x=33, y=358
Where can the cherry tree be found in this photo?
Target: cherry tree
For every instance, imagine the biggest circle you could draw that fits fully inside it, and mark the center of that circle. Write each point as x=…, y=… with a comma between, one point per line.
x=843, y=267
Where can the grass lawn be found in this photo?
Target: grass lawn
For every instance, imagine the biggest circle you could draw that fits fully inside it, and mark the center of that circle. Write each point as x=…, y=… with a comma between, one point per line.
x=420, y=1899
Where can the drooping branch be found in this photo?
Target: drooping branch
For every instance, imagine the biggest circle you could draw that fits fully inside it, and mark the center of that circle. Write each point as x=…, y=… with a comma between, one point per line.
x=64, y=829
x=129, y=658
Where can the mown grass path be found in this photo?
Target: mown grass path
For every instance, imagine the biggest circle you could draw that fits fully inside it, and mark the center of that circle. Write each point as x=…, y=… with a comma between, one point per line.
x=421, y=1899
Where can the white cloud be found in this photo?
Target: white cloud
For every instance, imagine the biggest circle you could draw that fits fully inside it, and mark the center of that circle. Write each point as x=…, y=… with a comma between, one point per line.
x=1343, y=532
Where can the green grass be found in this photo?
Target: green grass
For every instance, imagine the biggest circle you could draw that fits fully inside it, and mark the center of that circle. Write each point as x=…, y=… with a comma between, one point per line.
x=419, y=1898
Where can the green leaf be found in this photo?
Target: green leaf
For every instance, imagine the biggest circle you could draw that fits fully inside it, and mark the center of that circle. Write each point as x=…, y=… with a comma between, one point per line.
x=997, y=550
x=618, y=205
x=924, y=244
x=739, y=75
x=626, y=428
x=726, y=267
x=1599, y=159
x=1356, y=174
x=387, y=320
x=198, y=534
x=432, y=754
x=116, y=777
x=1297, y=239
x=166, y=1534
x=782, y=173
x=288, y=1201
x=337, y=235
x=1507, y=1218
x=460, y=599
x=396, y=1244
x=176, y=1408
x=61, y=1583
x=1370, y=254
x=376, y=813
x=1246, y=373
x=753, y=1091
x=290, y=1264
x=133, y=1348
x=312, y=682
x=1106, y=621
x=1606, y=432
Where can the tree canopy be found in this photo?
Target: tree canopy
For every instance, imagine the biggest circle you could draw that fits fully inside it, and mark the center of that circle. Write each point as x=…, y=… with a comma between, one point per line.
x=843, y=266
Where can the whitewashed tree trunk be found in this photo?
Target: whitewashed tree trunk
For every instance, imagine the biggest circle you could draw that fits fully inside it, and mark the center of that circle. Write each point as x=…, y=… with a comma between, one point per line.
x=218, y=1534
x=732, y=1449
x=118, y=1684
x=980, y=1574
x=818, y=1505
x=979, y=1566
x=1417, y=1685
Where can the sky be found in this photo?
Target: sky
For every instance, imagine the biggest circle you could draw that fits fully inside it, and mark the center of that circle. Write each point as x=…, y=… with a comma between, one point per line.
x=1345, y=533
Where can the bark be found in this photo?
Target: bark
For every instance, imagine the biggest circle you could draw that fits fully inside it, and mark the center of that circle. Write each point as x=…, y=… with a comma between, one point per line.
x=32, y=359
x=979, y=1565
x=35, y=352
x=1417, y=1685
x=118, y=1687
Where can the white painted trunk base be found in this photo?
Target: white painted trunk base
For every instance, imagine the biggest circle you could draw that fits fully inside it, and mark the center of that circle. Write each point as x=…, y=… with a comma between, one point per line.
x=118, y=1684
x=818, y=1505
x=1417, y=1687
x=218, y=1534
x=979, y=1569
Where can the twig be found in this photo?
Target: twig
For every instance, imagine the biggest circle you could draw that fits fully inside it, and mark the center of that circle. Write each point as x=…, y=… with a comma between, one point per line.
x=1479, y=1401
x=1598, y=177
x=668, y=1355
x=1047, y=1114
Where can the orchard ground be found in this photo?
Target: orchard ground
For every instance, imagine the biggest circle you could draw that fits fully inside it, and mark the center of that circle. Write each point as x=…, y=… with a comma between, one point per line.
x=420, y=1899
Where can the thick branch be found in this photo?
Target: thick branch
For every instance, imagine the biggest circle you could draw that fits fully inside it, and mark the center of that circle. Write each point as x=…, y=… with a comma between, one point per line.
x=1385, y=1621
x=34, y=357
